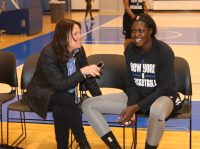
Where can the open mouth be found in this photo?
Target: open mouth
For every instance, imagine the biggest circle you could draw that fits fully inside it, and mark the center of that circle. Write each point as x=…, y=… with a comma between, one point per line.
x=138, y=40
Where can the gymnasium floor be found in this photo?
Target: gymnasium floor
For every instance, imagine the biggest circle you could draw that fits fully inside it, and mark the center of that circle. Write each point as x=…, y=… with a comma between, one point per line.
x=104, y=35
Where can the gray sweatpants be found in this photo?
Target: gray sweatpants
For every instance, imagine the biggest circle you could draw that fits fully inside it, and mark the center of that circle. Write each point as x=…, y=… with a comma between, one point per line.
x=94, y=107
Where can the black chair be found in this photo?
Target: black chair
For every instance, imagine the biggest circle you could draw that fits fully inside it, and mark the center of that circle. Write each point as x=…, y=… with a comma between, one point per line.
x=20, y=105
x=184, y=87
x=8, y=76
x=113, y=75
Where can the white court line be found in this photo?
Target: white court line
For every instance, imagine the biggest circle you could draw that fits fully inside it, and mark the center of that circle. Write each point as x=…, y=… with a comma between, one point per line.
x=177, y=35
x=85, y=42
x=20, y=66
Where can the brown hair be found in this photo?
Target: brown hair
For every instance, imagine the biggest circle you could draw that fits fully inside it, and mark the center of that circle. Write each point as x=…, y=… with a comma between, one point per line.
x=60, y=40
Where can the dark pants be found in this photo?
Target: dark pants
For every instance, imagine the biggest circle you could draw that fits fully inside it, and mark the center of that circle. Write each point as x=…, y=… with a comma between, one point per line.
x=88, y=9
x=66, y=115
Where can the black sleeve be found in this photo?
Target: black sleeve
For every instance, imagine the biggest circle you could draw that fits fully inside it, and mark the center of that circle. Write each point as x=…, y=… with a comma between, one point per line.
x=54, y=73
x=131, y=89
x=165, y=79
x=90, y=83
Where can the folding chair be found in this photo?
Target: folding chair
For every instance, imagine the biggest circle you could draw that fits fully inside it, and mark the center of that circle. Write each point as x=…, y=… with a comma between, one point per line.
x=8, y=76
x=114, y=74
x=20, y=106
x=184, y=87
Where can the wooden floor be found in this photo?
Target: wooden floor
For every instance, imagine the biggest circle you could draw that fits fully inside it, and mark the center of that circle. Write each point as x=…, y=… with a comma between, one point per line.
x=41, y=136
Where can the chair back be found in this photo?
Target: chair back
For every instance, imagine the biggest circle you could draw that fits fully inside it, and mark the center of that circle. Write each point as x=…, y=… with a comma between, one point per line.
x=182, y=76
x=114, y=70
x=28, y=70
x=8, y=73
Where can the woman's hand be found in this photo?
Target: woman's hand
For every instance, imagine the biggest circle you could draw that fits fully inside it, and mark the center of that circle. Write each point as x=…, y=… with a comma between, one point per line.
x=127, y=116
x=91, y=70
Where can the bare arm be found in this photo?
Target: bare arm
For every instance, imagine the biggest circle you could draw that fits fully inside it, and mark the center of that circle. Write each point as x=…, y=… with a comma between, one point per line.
x=127, y=9
x=145, y=7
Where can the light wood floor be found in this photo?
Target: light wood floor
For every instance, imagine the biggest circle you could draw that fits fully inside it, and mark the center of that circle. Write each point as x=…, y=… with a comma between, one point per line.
x=42, y=136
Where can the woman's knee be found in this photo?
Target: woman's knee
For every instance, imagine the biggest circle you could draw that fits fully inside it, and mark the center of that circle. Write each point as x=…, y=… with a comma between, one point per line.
x=156, y=114
x=87, y=104
x=90, y=103
x=161, y=108
x=64, y=100
x=156, y=110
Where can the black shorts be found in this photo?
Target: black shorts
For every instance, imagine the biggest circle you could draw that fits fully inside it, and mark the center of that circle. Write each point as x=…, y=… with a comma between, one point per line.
x=177, y=104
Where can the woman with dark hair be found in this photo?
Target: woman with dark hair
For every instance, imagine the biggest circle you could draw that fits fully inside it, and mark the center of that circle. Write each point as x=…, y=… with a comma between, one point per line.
x=62, y=65
x=150, y=87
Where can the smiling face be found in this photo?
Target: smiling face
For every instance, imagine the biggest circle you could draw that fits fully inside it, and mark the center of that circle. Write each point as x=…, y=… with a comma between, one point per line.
x=75, y=38
x=141, y=35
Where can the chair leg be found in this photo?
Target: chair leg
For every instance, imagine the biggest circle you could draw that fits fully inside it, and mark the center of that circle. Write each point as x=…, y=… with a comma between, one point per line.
x=190, y=145
x=72, y=140
x=1, y=116
x=124, y=137
x=7, y=127
x=133, y=137
x=135, y=143
x=23, y=134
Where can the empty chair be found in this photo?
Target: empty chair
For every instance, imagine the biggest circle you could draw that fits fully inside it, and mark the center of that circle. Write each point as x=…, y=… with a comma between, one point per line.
x=8, y=76
x=20, y=106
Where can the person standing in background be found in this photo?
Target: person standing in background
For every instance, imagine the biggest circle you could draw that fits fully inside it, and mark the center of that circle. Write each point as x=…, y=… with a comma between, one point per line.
x=131, y=9
x=3, y=5
x=89, y=9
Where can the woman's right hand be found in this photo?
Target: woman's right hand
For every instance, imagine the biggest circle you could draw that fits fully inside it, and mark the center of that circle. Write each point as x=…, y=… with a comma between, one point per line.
x=91, y=70
x=126, y=116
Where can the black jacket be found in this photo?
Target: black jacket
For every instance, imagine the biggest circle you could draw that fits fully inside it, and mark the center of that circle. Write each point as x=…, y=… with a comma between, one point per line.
x=51, y=76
